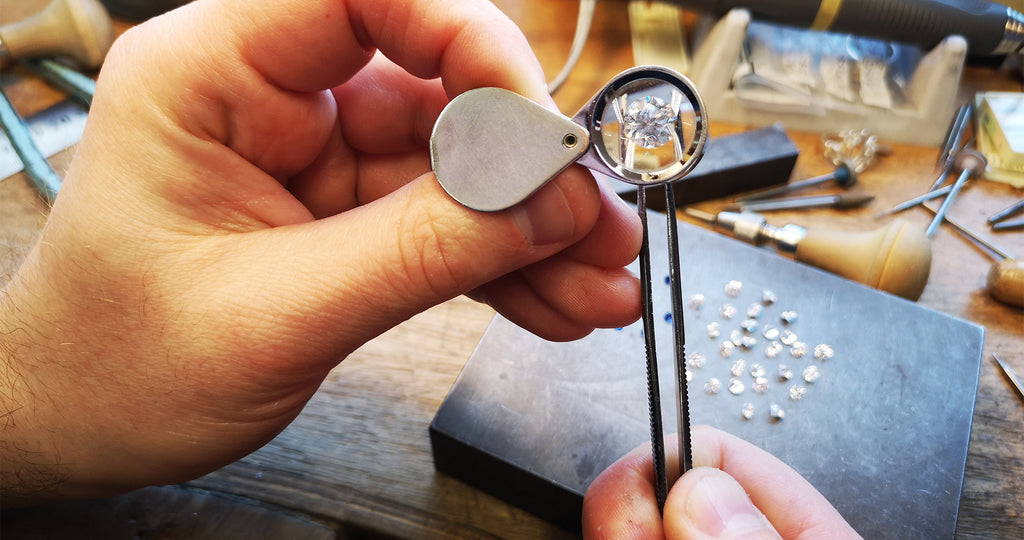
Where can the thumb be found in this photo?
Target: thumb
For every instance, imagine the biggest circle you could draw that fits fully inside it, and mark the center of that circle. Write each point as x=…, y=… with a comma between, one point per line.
x=706, y=503
x=368, y=269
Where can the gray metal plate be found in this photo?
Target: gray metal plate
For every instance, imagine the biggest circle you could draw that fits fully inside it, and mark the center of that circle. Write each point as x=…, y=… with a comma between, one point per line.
x=883, y=433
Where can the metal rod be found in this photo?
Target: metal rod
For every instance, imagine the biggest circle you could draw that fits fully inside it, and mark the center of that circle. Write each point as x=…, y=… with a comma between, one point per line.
x=78, y=86
x=843, y=176
x=941, y=212
x=37, y=168
x=954, y=137
x=678, y=334
x=972, y=235
x=653, y=387
x=799, y=203
x=1007, y=225
x=1006, y=212
x=1010, y=375
x=910, y=203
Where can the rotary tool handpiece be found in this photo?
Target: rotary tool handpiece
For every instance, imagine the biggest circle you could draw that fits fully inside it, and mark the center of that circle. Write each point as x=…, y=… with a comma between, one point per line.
x=896, y=258
x=989, y=28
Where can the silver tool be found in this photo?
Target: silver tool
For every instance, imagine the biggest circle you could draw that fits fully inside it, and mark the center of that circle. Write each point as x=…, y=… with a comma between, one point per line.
x=37, y=168
x=646, y=127
x=851, y=200
x=1009, y=224
x=1010, y=375
x=53, y=129
x=910, y=203
x=1007, y=212
x=70, y=81
x=953, y=144
x=971, y=165
x=844, y=176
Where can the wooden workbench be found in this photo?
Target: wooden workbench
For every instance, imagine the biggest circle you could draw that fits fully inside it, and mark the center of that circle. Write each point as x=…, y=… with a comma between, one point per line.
x=357, y=462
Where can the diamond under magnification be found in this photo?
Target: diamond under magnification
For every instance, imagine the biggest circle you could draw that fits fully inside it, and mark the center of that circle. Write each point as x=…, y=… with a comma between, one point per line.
x=811, y=373
x=823, y=352
x=736, y=387
x=714, y=330
x=773, y=349
x=747, y=411
x=649, y=122
x=712, y=386
x=697, y=360
x=798, y=349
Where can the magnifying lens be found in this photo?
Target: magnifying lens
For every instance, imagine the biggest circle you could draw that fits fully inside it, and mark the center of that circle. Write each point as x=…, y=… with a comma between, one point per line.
x=491, y=149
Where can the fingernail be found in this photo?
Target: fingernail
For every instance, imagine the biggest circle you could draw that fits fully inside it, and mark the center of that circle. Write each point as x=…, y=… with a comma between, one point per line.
x=545, y=217
x=720, y=507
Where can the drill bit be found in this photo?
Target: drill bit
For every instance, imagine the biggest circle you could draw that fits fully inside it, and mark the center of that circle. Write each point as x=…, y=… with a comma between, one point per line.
x=852, y=200
x=844, y=176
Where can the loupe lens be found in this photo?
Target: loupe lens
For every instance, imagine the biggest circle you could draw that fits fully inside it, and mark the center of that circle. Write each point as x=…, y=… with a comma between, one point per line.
x=649, y=127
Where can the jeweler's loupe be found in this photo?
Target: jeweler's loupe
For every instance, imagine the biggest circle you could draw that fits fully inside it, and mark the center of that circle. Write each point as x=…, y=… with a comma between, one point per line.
x=491, y=148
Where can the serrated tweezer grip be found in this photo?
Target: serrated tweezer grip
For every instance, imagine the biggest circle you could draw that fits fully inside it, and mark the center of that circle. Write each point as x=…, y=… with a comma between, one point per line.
x=679, y=341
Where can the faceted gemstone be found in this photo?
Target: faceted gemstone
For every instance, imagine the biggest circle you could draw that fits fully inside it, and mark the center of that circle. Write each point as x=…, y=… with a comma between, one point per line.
x=823, y=352
x=728, y=311
x=689, y=376
x=785, y=373
x=748, y=342
x=738, y=367
x=712, y=386
x=770, y=333
x=768, y=297
x=749, y=325
x=811, y=373
x=757, y=371
x=726, y=349
x=773, y=349
x=787, y=337
x=648, y=122
x=747, y=411
x=760, y=385
x=713, y=330
x=797, y=392
x=776, y=412
x=736, y=337
x=696, y=301
x=736, y=387
x=733, y=288
x=696, y=360
x=788, y=317
x=754, y=311
x=798, y=349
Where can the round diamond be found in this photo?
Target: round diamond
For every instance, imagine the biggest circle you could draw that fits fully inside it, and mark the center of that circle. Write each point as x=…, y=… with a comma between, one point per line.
x=776, y=412
x=728, y=311
x=771, y=333
x=788, y=317
x=712, y=386
x=785, y=373
x=747, y=411
x=696, y=360
x=748, y=342
x=736, y=387
x=648, y=122
x=788, y=337
x=738, y=367
x=823, y=352
x=713, y=330
x=726, y=349
x=757, y=371
x=811, y=373
x=760, y=385
x=773, y=349
x=797, y=392
x=768, y=297
x=733, y=288
x=696, y=301
x=749, y=325
x=799, y=349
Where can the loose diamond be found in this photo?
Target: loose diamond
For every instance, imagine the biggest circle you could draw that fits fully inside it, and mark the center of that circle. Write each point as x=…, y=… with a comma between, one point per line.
x=776, y=412
x=757, y=371
x=689, y=376
x=747, y=411
x=799, y=349
x=770, y=333
x=648, y=122
x=788, y=317
x=768, y=297
x=811, y=373
x=748, y=342
x=713, y=386
x=823, y=352
x=738, y=367
x=754, y=311
x=733, y=288
x=797, y=392
x=726, y=349
x=713, y=330
x=736, y=337
x=760, y=385
x=749, y=325
x=696, y=301
x=788, y=337
x=785, y=373
x=773, y=349
x=696, y=360
x=728, y=311
x=736, y=387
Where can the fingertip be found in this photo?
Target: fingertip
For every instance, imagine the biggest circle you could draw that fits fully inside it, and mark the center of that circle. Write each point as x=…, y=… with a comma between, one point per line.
x=706, y=503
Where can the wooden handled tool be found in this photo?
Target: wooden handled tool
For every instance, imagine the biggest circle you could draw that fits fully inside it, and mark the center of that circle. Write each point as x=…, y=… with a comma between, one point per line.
x=78, y=29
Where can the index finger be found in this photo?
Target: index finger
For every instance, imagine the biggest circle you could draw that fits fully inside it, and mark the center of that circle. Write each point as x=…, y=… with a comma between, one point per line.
x=318, y=44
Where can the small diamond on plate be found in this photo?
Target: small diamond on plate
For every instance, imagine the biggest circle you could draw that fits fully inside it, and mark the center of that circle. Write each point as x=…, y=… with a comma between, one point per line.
x=696, y=301
x=776, y=412
x=736, y=336
x=823, y=352
x=738, y=367
x=799, y=349
x=747, y=411
x=733, y=288
x=768, y=297
x=712, y=386
x=770, y=333
x=736, y=387
x=728, y=311
x=773, y=349
x=797, y=392
x=788, y=317
x=785, y=373
x=726, y=349
x=811, y=373
x=787, y=337
x=760, y=385
x=748, y=342
x=754, y=311
x=749, y=325
x=689, y=376
x=713, y=330
x=757, y=370
x=696, y=360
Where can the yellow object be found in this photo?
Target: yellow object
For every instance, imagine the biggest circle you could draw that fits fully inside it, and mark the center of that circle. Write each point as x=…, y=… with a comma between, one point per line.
x=1000, y=135
x=78, y=29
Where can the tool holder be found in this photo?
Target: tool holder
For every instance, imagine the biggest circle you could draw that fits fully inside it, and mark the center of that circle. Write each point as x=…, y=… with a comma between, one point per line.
x=923, y=119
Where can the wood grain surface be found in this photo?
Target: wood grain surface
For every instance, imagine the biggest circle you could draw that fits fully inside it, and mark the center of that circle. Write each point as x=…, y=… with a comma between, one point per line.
x=357, y=462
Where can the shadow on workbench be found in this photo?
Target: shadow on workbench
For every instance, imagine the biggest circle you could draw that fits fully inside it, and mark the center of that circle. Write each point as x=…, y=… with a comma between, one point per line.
x=170, y=512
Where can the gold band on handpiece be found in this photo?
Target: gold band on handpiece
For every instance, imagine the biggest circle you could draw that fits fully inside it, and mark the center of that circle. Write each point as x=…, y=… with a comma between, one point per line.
x=826, y=14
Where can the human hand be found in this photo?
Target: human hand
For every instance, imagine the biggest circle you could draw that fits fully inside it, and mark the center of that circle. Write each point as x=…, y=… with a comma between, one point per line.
x=710, y=501
x=250, y=203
